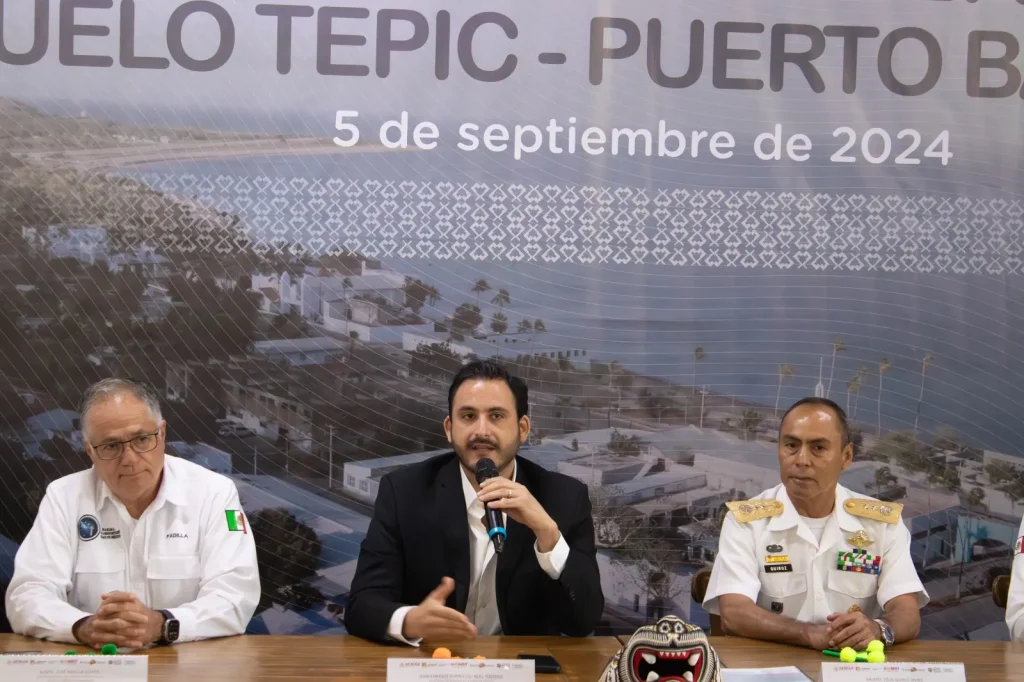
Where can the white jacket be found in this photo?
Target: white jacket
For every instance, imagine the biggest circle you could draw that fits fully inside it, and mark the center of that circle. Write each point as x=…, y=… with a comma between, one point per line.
x=778, y=563
x=179, y=555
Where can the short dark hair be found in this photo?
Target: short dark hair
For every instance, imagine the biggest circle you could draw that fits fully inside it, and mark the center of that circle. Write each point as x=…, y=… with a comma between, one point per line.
x=844, y=426
x=485, y=369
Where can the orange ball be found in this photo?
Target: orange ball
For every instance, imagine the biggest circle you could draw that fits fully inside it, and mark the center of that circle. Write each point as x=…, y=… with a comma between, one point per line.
x=442, y=652
x=479, y=658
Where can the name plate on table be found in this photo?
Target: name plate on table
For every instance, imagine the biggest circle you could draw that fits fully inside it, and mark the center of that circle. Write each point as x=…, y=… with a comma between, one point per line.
x=893, y=672
x=50, y=667
x=460, y=670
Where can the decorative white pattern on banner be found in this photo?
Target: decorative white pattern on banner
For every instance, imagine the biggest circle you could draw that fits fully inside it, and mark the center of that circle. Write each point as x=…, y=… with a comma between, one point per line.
x=819, y=231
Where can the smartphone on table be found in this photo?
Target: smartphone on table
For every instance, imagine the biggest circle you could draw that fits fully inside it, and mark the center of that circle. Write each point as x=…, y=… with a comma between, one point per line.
x=542, y=663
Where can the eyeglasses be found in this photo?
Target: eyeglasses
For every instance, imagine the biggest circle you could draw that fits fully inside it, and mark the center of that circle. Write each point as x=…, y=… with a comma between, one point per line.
x=140, y=444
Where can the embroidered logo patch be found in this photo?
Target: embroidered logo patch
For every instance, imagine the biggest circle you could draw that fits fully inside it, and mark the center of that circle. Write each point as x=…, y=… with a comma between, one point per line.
x=88, y=527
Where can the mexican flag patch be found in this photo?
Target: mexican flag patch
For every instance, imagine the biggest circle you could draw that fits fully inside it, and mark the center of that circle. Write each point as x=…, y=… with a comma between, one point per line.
x=236, y=520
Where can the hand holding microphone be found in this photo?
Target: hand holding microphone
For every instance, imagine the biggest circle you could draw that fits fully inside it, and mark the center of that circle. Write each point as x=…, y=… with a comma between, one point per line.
x=499, y=494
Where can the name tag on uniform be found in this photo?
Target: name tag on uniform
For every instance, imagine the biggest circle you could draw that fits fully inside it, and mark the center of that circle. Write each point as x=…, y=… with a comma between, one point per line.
x=778, y=568
x=859, y=561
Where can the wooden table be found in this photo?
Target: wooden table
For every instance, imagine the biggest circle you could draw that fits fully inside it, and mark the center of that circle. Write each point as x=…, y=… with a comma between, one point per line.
x=256, y=658
x=984, y=661
x=259, y=658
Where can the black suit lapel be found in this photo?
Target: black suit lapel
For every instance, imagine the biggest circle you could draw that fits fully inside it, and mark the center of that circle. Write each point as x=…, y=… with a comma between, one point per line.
x=519, y=539
x=451, y=507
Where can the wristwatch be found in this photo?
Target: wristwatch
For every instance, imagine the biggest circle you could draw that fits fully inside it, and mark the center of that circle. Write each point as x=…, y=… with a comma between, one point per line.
x=171, y=628
x=887, y=637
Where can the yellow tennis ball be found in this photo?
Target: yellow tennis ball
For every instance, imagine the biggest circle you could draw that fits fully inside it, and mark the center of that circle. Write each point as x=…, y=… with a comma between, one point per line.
x=875, y=645
x=876, y=657
x=847, y=655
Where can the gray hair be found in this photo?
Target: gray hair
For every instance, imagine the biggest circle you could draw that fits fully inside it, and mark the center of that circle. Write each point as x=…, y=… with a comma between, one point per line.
x=107, y=388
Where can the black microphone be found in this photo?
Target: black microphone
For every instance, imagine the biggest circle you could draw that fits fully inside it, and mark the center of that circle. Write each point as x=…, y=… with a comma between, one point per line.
x=486, y=469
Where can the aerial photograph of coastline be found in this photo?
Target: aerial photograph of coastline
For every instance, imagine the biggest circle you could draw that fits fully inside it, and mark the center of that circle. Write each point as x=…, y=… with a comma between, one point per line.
x=301, y=307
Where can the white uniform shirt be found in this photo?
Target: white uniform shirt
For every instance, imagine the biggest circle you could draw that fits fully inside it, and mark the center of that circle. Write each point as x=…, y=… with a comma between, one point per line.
x=1015, y=598
x=179, y=555
x=803, y=580
x=482, y=602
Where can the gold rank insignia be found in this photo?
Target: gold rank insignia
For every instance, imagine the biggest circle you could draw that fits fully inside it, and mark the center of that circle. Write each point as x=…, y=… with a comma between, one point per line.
x=752, y=510
x=860, y=539
x=888, y=512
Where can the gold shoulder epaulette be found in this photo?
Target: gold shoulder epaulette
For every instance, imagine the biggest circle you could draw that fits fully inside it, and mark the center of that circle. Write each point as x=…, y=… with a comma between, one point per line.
x=746, y=511
x=874, y=510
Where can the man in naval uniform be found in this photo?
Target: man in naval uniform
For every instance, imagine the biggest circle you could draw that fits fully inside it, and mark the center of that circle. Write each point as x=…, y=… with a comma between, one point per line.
x=809, y=562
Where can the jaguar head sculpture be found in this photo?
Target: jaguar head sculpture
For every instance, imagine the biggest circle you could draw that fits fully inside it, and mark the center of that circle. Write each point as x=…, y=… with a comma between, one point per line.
x=671, y=650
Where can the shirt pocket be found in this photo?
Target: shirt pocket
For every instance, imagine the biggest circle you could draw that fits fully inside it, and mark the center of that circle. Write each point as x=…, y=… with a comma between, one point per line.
x=783, y=593
x=847, y=589
x=96, y=574
x=173, y=579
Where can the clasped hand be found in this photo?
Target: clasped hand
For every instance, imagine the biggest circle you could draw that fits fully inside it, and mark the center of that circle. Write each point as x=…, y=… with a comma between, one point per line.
x=853, y=630
x=121, y=619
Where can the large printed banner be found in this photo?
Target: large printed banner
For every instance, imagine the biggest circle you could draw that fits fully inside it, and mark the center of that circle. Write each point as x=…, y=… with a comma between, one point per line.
x=672, y=218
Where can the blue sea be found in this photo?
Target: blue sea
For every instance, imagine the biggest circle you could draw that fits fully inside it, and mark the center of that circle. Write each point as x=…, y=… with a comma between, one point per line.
x=747, y=321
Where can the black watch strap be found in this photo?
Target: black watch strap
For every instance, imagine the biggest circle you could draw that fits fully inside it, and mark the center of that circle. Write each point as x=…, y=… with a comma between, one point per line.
x=170, y=628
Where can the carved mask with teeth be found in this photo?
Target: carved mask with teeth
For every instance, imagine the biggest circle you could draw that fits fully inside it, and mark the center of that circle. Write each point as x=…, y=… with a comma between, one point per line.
x=671, y=650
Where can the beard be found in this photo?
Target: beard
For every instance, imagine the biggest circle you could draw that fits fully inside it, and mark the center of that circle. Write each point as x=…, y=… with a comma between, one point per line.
x=469, y=453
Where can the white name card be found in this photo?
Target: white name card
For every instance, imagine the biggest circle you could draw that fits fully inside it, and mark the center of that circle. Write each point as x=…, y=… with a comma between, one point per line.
x=460, y=670
x=47, y=668
x=893, y=672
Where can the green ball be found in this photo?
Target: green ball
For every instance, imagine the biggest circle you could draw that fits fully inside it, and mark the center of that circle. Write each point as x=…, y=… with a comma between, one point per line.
x=875, y=645
x=847, y=655
x=109, y=649
x=876, y=657
x=70, y=653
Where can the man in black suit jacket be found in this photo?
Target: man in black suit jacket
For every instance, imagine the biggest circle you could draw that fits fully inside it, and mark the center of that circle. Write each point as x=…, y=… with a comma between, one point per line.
x=426, y=568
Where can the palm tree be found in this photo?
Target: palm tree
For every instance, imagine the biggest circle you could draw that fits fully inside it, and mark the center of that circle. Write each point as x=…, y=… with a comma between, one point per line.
x=838, y=346
x=524, y=326
x=499, y=323
x=698, y=355
x=538, y=326
x=502, y=299
x=433, y=295
x=862, y=374
x=883, y=366
x=480, y=287
x=785, y=371
x=927, y=360
x=852, y=386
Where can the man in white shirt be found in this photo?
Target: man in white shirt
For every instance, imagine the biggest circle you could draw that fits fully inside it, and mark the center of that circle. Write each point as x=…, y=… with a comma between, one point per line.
x=141, y=548
x=809, y=562
x=427, y=568
x=1015, y=595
